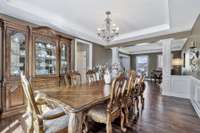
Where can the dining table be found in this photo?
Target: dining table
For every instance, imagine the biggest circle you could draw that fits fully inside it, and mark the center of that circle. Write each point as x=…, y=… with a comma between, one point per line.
x=77, y=100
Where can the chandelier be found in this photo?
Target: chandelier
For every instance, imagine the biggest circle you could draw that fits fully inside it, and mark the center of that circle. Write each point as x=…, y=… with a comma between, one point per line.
x=109, y=31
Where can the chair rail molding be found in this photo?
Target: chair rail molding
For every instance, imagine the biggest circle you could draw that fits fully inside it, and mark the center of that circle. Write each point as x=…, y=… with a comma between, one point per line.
x=186, y=86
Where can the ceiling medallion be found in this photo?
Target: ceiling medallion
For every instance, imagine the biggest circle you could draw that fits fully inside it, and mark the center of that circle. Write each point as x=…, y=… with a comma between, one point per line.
x=109, y=31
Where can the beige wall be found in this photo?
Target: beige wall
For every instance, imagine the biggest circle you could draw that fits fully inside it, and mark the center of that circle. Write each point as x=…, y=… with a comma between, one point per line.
x=101, y=55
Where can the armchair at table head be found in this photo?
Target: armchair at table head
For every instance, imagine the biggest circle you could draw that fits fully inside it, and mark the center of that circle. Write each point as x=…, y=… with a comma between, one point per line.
x=42, y=122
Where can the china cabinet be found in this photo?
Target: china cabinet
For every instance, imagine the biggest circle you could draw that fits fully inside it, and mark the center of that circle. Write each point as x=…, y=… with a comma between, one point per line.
x=65, y=58
x=40, y=52
x=15, y=51
x=45, y=60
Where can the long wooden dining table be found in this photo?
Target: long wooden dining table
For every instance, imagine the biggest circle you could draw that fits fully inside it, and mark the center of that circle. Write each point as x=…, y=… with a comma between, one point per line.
x=76, y=100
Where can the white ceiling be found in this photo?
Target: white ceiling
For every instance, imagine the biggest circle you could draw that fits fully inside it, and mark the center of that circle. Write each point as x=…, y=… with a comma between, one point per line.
x=136, y=19
x=143, y=48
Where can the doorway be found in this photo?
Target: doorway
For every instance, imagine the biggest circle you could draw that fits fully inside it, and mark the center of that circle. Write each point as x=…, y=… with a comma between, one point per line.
x=83, y=57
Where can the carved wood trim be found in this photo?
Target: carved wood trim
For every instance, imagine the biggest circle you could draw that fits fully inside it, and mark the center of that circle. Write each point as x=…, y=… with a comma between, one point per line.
x=45, y=31
x=16, y=90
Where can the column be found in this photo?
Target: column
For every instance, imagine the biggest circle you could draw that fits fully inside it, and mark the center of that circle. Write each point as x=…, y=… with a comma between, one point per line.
x=115, y=61
x=166, y=69
x=115, y=55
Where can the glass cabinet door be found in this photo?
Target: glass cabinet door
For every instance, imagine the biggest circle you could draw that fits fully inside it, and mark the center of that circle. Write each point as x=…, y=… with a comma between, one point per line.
x=64, y=58
x=17, y=52
x=45, y=58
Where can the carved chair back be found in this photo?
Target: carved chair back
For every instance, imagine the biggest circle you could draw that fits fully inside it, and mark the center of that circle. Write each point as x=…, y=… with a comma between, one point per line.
x=75, y=78
x=131, y=83
x=141, y=84
x=29, y=94
x=31, y=104
x=91, y=76
x=67, y=79
x=117, y=89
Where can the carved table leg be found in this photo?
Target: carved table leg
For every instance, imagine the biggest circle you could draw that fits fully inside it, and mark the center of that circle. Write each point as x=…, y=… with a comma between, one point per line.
x=75, y=122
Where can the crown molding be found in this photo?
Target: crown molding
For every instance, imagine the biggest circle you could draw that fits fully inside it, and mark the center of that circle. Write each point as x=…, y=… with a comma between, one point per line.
x=24, y=11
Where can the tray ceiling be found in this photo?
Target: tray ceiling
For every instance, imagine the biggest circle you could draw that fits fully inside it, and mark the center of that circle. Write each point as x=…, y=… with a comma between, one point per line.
x=80, y=18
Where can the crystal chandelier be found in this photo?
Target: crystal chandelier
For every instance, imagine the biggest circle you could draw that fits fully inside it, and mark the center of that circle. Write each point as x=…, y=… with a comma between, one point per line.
x=110, y=30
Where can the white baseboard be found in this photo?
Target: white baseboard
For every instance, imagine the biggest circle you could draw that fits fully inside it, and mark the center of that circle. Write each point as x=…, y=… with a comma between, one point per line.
x=196, y=107
x=179, y=95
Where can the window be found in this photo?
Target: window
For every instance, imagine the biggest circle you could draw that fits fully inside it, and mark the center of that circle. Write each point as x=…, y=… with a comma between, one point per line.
x=142, y=65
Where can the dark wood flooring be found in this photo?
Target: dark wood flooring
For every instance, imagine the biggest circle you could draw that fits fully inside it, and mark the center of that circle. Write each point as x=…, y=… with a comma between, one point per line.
x=161, y=114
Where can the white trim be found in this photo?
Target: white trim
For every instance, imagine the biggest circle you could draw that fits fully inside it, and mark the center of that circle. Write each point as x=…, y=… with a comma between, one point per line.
x=174, y=94
x=124, y=55
x=184, y=86
x=151, y=51
x=90, y=52
x=146, y=31
x=24, y=10
x=196, y=107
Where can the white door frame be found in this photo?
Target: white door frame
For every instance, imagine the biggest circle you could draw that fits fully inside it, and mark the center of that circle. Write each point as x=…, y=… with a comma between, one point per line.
x=90, y=52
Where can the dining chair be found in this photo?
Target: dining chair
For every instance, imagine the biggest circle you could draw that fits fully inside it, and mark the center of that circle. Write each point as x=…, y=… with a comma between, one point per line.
x=91, y=76
x=129, y=99
x=75, y=78
x=141, y=90
x=138, y=93
x=107, y=112
x=67, y=79
x=51, y=121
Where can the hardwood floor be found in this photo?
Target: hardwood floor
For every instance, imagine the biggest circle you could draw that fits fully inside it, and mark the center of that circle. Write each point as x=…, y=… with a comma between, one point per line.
x=161, y=114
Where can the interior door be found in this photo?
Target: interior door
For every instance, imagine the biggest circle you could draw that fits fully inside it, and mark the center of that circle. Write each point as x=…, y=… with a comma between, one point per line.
x=82, y=60
x=82, y=64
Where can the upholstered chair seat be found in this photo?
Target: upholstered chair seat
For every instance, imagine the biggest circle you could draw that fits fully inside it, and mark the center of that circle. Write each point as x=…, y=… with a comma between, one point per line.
x=107, y=112
x=52, y=112
x=55, y=125
x=99, y=113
